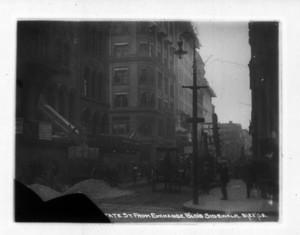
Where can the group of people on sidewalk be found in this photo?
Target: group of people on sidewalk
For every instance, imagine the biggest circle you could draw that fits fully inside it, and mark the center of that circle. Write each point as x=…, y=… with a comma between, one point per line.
x=259, y=176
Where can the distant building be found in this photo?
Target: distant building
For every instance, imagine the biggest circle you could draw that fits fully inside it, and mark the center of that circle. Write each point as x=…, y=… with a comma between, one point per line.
x=184, y=108
x=231, y=137
x=247, y=145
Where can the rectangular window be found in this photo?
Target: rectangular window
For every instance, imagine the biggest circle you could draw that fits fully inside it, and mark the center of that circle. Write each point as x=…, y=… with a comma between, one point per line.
x=146, y=75
x=166, y=57
x=121, y=75
x=120, y=100
x=160, y=128
x=146, y=98
x=120, y=126
x=171, y=60
x=151, y=50
x=166, y=86
x=159, y=81
x=171, y=107
x=121, y=50
x=172, y=29
x=143, y=27
x=143, y=75
x=158, y=50
x=172, y=90
x=166, y=105
x=120, y=28
x=144, y=49
x=159, y=103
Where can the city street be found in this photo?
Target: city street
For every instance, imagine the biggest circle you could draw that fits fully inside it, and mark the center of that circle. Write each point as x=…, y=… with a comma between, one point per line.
x=144, y=102
x=162, y=206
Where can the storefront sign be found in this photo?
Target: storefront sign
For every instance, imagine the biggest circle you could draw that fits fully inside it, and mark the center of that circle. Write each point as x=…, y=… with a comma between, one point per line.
x=45, y=131
x=188, y=149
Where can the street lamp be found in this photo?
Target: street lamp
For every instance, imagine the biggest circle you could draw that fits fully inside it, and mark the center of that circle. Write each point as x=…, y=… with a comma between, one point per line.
x=180, y=52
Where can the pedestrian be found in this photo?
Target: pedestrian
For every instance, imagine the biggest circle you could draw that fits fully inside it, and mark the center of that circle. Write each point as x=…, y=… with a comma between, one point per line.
x=167, y=170
x=248, y=177
x=224, y=178
x=205, y=178
x=134, y=173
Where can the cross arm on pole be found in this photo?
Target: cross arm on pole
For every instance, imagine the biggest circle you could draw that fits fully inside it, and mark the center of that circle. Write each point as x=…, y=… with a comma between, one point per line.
x=193, y=87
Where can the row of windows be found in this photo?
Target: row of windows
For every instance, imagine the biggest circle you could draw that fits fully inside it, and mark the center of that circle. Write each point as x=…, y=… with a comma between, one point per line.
x=60, y=50
x=146, y=49
x=146, y=76
x=94, y=85
x=121, y=126
x=122, y=28
x=94, y=121
x=62, y=100
x=145, y=99
x=94, y=41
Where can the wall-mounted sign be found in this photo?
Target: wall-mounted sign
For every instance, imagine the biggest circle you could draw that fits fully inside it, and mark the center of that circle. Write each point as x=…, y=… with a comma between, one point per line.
x=83, y=151
x=45, y=131
x=188, y=149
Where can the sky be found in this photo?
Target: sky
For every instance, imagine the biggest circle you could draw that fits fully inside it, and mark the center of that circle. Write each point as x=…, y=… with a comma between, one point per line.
x=226, y=51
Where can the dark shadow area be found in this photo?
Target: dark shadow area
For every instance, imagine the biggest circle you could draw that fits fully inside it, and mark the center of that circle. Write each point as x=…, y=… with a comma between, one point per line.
x=74, y=208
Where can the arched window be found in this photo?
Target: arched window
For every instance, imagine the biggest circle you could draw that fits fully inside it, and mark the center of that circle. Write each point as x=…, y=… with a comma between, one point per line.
x=104, y=126
x=93, y=85
x=72, y=106
x=43, y=44
x=62, y=101
x=58, y=52
x=86, y=119
x=100, y=41
x=86, y=38
x=65, y=56
x=90, y=38
x=86, y=80
x=145, y=128
x=52, y=95
x=95, y=122
x=102, y=88
x=94, y=41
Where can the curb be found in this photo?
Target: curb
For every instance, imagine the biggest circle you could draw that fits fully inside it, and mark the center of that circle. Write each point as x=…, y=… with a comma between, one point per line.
x=202, y=211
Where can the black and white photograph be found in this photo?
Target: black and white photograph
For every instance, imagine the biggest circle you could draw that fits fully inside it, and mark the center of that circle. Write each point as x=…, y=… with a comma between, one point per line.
x=147, y=121
x=149, y=117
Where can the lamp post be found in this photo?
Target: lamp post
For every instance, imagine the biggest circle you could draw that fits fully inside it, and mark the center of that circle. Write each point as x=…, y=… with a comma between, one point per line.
x=194, y=118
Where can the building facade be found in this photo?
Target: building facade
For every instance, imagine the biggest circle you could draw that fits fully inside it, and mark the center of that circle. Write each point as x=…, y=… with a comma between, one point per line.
x=231, y=138
x=146, y=79
x=62, y=108
x=264, y=84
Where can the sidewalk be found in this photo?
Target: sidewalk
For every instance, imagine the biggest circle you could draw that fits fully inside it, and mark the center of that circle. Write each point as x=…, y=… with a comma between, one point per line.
x=131, y=184
x=237, y=201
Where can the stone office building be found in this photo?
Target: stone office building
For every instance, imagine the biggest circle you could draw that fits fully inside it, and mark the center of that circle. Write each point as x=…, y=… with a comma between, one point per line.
x=62, y=95
x=146, y=78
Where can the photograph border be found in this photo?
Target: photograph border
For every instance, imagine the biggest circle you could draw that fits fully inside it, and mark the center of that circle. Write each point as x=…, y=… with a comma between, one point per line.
x=218, y=10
